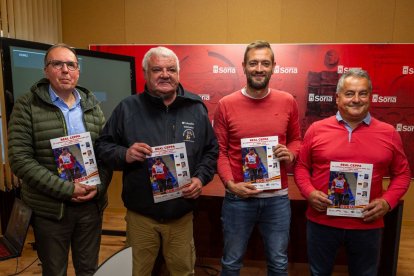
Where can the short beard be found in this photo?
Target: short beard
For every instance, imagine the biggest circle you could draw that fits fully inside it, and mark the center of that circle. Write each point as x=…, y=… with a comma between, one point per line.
x=258, y=85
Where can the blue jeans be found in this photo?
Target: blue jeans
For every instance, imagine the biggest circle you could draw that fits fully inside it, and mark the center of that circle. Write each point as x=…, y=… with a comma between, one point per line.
x=362, y=249
x=239, y=216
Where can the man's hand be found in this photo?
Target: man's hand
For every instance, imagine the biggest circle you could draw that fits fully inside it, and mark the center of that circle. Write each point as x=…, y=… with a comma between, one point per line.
x=242, y=189
x=137, y=152
x=193, y=190
x=283, y=154
x=376, y=209
x=89, y=192
x=79, y=190
x=319, y=200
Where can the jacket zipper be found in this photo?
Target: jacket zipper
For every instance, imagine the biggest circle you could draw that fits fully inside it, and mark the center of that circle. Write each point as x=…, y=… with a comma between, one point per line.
x=170, y=136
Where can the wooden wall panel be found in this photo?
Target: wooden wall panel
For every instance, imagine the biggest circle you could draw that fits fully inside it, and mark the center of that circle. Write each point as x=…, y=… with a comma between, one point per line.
x=309, y=21
x=201, y=21
x=150, y=22
x=404, y=21
x=368, y=21
x=93, y=21
x=252, y=20
x=236, y=21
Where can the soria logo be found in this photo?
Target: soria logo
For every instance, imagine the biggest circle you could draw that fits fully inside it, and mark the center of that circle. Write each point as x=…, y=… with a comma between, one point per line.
x=404, y=128
x=285, y=70
x=319, y=98
x=383, y=99
x=342, y=69
x=223, y=70
x=407, y=70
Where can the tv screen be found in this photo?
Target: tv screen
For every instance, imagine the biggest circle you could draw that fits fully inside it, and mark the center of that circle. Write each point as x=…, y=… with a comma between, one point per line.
x=110, y=77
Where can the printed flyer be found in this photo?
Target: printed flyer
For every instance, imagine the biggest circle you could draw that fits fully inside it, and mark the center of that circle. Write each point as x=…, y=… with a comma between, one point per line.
x=349, y=188
x=75, y=158
x=169, y=171
x=260, y=166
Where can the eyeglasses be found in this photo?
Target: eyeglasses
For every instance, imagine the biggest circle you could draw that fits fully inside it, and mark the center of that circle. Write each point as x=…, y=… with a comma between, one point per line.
x=57, y=64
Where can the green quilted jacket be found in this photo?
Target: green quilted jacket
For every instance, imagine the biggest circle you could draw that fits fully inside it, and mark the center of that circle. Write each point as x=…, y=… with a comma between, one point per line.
x=34, y=121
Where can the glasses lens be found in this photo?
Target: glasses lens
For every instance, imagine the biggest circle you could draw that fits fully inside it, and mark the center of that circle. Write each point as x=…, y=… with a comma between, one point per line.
x=72, y=65
x=57, y=64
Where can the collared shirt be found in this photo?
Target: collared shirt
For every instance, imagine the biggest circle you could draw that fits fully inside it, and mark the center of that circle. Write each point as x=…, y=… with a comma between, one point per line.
x=73, y=116
x=366, y=120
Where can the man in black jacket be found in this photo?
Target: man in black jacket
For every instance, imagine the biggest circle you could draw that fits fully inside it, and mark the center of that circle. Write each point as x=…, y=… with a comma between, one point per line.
x=163, y=114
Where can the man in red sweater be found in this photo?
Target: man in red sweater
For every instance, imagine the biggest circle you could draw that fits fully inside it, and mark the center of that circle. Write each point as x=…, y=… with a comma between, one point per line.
x=255, y=111
x=364, y=140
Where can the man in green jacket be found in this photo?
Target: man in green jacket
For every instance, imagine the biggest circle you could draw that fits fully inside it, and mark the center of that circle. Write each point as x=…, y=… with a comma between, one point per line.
x=65, y=214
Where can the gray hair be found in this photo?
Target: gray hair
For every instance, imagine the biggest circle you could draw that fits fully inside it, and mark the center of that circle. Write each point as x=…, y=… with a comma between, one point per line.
x=159, y=51
x=59, y=45
x=354, y=72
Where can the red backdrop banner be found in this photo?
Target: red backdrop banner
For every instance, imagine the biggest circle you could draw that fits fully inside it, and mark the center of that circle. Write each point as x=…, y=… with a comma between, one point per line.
x=308, y=72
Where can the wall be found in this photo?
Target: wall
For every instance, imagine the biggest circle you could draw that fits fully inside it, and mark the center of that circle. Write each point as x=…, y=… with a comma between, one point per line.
x=237, y=21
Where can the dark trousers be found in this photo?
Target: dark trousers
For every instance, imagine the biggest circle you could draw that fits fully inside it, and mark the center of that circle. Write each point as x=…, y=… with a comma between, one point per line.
x=253, y=174
x=338, y=198
x=70, y=174
x=362, y=249
x=162, y=185
x=80, y=230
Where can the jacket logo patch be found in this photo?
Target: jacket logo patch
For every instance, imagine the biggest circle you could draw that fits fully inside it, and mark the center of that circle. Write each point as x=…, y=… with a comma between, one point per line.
x=188, y=133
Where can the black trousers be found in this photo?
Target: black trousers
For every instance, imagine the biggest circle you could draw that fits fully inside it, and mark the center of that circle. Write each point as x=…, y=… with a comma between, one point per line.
x=80, y=229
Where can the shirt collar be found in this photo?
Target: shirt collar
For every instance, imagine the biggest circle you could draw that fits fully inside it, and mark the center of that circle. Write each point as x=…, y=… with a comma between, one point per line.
x=244, y=92
x=366, y=120
x=54, y=97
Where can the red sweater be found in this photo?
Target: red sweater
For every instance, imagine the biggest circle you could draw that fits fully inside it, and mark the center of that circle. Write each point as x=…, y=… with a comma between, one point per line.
x=238, y=116
x=377, y=143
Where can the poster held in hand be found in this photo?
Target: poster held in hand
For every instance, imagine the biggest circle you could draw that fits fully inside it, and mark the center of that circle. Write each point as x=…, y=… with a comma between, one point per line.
x=261, y=168
x=75, y=158
x=168, y=170
x=349, y=188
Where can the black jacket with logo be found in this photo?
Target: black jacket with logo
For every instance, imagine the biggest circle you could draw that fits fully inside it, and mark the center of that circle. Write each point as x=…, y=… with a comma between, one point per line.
x=145, y=118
